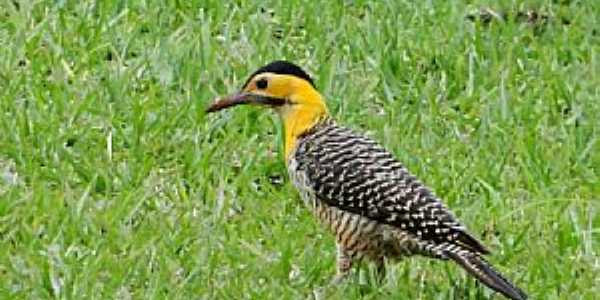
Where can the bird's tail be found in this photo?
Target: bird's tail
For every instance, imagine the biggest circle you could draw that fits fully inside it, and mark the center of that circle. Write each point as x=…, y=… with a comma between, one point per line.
x=483, y=271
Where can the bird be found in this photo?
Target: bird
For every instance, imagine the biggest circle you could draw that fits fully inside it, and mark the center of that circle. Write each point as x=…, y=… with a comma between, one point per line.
x=376, y=209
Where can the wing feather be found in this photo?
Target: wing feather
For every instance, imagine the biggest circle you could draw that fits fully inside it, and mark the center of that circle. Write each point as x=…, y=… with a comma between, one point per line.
x=356, y=174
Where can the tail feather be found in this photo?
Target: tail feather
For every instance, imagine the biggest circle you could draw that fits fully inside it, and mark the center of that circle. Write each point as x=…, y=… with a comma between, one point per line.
x=483, y=271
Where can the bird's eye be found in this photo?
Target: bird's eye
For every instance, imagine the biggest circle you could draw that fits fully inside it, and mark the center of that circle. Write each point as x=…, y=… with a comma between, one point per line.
x=262, y=84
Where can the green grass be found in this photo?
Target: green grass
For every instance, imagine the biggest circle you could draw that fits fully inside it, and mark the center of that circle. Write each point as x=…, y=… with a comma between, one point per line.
x=115, y=184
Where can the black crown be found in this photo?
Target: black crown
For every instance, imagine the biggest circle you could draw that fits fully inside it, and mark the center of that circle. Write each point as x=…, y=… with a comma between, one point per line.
x=282, y=67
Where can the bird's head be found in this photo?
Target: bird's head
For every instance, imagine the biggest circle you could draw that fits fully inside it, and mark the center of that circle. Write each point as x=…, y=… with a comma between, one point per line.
x=287, y=89
x=281, y=85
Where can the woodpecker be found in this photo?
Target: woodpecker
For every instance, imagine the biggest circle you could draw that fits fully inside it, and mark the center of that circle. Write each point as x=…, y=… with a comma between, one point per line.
x=374, y=206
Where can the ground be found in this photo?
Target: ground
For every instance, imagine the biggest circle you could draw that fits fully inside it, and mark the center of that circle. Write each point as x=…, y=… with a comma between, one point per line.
x=115, y=183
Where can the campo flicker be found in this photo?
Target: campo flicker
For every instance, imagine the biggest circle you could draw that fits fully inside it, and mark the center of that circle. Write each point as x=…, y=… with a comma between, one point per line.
x=375, y=208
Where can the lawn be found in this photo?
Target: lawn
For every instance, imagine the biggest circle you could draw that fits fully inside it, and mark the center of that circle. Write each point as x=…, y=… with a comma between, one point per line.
x=114, y=183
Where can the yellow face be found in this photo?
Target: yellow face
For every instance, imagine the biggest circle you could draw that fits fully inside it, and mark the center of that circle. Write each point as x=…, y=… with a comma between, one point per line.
x=297, y=102
x=298, y=93
x=303, y=106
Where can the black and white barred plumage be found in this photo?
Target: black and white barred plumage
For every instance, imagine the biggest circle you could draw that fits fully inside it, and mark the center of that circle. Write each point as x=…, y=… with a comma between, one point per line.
x=377, y=209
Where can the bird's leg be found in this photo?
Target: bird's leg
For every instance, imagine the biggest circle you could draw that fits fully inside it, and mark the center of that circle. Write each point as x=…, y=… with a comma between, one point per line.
x=343, y=265
x=380, y=269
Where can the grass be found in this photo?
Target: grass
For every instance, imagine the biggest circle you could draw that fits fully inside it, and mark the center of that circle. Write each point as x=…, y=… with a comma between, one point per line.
x=115, y=184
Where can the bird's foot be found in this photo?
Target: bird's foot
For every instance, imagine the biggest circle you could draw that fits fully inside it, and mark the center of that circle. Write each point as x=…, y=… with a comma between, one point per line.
x=339, y=278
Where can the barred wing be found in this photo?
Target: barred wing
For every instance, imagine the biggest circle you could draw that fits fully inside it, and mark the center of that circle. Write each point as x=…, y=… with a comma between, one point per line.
x=355, y=174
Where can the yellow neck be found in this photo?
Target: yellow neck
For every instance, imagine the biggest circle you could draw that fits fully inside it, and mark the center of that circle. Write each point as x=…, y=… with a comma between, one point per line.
x=308, y=109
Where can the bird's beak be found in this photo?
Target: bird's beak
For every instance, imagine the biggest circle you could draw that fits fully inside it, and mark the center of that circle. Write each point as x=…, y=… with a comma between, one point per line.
x=244, y=98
